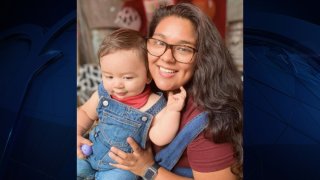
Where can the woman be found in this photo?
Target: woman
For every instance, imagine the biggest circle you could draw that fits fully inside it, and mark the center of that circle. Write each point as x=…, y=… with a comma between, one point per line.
x=185, y=49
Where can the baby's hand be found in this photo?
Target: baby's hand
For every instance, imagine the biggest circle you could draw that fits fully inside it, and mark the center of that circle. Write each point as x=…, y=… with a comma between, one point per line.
x=176, y=101
x=81, y=141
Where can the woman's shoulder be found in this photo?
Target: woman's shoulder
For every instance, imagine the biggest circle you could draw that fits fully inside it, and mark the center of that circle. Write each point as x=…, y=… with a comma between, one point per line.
x=203, y=155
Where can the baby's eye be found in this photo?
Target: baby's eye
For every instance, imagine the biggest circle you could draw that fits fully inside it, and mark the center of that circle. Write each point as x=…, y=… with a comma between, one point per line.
x=127, y=77
x=108, y=77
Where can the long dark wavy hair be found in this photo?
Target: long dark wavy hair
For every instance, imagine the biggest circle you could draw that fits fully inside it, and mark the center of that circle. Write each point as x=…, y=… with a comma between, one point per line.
x=216, y=85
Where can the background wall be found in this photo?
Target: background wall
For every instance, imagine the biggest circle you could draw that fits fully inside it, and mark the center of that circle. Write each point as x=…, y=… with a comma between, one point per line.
x=98, y=18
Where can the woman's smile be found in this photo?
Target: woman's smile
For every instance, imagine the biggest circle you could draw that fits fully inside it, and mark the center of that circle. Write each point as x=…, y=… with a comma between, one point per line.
x=167, y=73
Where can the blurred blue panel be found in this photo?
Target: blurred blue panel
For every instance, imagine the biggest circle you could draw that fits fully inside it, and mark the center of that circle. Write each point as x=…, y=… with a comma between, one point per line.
x=39, y=103
x=282, y=97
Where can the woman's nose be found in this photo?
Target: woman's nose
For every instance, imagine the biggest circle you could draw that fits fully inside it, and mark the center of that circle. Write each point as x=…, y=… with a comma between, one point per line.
x=167, y=56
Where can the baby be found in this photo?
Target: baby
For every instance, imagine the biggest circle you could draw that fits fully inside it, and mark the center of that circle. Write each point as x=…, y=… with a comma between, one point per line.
x=125, y=107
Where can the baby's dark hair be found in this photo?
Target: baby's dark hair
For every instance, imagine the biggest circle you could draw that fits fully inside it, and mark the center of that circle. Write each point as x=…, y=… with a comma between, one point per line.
x=124, y=39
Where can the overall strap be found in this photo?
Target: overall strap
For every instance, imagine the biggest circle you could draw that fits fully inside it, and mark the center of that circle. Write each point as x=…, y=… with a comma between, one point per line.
x=158, y=106
x=169, y=156
x=102, y=91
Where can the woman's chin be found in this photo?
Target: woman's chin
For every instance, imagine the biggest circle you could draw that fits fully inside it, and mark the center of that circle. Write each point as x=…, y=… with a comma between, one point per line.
x=164, y=86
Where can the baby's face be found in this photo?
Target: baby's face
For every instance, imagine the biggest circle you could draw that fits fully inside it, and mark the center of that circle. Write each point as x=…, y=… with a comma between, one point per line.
x=124, y=73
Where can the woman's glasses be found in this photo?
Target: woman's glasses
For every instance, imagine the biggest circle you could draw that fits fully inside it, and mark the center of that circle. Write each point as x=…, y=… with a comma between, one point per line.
x=181, y=53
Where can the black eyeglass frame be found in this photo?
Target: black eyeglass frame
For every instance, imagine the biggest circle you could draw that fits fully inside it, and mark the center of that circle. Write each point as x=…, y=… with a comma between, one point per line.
x=170, y=46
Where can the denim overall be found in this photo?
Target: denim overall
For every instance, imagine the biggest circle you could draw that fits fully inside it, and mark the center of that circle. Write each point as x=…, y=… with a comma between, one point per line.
x=169, y=156
x=117, y=121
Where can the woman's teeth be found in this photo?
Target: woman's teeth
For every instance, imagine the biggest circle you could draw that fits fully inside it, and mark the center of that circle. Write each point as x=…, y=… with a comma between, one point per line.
x=166, y=70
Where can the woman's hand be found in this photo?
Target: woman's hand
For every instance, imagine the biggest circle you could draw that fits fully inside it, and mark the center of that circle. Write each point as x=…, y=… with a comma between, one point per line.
x=80, y=141
x=136, y=162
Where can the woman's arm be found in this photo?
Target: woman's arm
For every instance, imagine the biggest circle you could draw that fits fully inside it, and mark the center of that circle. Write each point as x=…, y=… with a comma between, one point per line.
x=139, y=161
x=224, y=174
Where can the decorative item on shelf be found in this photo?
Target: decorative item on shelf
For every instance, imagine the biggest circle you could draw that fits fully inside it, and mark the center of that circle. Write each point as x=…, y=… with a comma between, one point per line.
x=128, y=17
x=132, y=15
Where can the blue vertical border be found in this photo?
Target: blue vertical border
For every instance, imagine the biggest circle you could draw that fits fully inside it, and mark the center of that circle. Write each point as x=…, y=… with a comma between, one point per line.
x=38, y=89
x=281, y=90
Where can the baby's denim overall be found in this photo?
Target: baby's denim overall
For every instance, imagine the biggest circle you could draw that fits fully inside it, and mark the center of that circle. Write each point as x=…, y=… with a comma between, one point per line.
x=169, y=156
x=117, y=122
